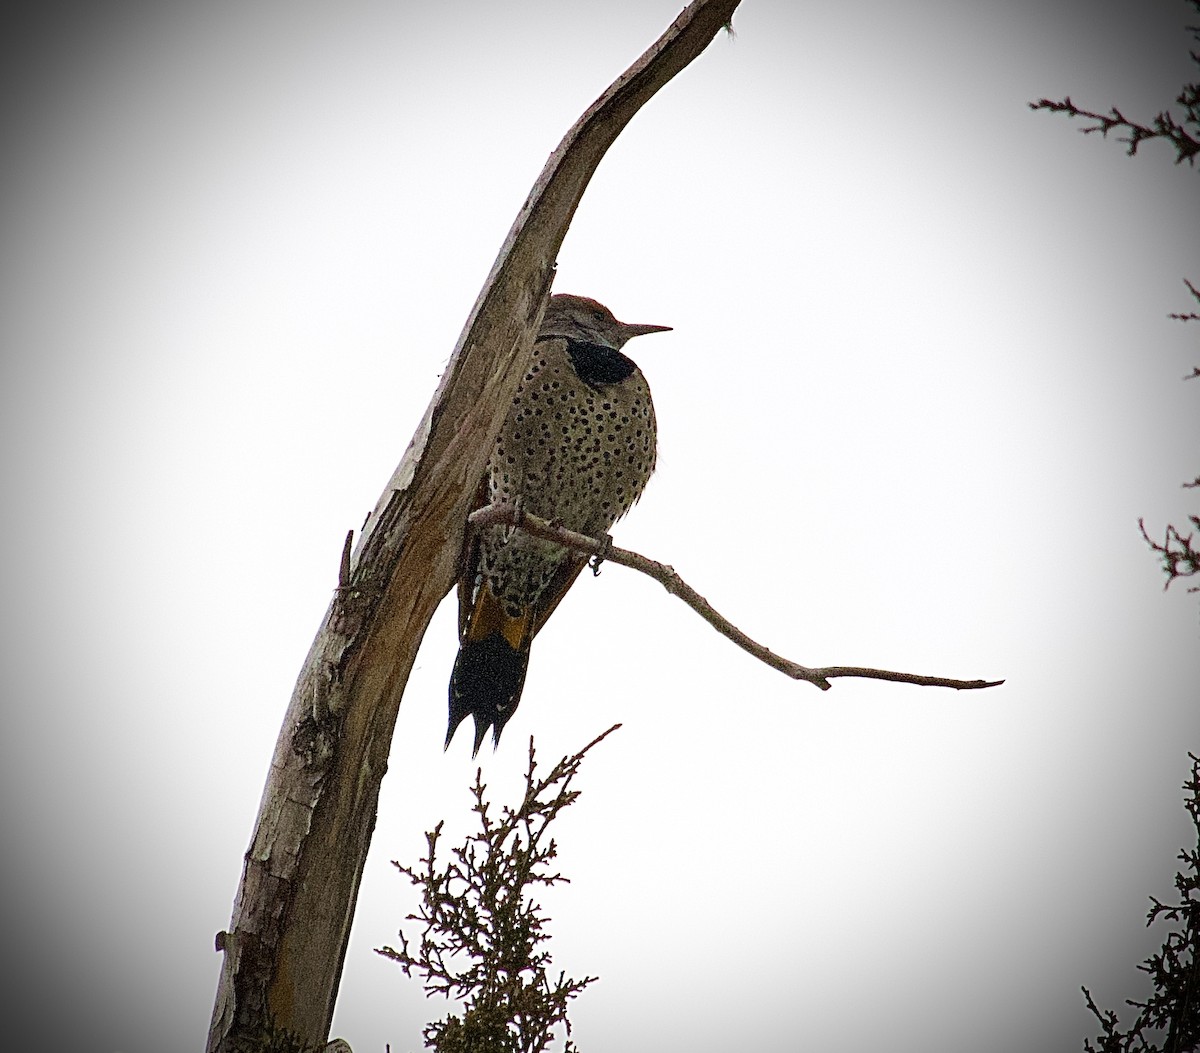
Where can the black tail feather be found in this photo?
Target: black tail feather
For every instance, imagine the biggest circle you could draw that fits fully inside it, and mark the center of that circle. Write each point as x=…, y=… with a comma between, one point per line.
x=486, y=684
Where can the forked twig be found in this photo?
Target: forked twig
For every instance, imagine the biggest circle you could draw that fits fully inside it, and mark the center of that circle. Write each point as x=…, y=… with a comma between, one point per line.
x=515, y=516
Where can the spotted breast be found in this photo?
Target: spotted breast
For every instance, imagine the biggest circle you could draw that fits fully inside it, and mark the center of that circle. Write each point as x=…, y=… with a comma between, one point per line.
x=577, y=447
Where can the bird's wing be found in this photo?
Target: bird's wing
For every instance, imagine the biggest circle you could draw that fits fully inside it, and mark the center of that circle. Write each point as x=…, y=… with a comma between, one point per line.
x=468, y=567
x=468, y=564
x=563, y=578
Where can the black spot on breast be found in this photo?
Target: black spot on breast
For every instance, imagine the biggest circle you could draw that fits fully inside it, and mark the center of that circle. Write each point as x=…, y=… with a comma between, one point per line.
x=596, y=364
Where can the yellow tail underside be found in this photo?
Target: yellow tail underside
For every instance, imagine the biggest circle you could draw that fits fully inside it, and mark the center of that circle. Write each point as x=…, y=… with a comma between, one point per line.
x=490, y=617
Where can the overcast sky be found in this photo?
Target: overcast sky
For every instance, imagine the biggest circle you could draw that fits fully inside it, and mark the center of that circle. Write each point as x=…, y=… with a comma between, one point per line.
x=921, y=385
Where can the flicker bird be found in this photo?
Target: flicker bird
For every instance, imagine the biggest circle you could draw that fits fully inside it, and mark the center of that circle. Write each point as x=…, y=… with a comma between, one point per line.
x=577, y=447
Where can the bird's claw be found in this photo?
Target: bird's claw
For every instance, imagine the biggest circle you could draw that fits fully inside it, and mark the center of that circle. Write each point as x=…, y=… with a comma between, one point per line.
x=601, y=556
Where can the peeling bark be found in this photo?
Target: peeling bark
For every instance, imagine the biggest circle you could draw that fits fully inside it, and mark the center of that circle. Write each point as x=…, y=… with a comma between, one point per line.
x=291, y=919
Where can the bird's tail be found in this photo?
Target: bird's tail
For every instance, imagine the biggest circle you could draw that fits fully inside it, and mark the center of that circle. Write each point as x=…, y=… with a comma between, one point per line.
x=489, y=672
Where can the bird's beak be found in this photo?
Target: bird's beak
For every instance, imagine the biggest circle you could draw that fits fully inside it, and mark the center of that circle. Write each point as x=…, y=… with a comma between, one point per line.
x=630, y=330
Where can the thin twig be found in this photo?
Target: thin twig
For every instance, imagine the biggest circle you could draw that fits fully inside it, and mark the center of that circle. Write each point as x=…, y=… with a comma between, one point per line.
x=514, y=516
x=344, y=564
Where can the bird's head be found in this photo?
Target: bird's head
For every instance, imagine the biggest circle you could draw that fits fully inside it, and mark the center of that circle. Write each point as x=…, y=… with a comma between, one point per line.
x=585, y=320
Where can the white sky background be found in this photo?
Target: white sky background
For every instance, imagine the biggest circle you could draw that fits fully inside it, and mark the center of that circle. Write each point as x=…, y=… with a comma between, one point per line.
x=920, y=388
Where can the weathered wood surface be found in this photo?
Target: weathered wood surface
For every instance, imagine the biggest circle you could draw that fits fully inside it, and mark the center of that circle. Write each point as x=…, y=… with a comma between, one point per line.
x=291, y=918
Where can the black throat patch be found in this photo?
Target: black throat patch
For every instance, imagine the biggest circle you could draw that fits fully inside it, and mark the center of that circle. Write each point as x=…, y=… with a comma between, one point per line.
x=597, y=364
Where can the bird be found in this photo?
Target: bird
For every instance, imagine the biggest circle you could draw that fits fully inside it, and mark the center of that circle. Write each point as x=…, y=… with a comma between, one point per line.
x=577, y=448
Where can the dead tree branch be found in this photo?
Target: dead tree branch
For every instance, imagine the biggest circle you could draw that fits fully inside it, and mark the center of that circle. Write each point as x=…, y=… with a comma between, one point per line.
x=514, y=516
x=291, y=920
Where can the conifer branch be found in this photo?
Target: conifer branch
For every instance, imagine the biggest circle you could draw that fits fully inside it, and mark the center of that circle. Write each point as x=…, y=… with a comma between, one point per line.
x=1164, y=125
x=604, y=551
x=484, y=938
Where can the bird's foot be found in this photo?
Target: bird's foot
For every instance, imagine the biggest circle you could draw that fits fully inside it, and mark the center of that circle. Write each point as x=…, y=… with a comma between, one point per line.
x=601, y=556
